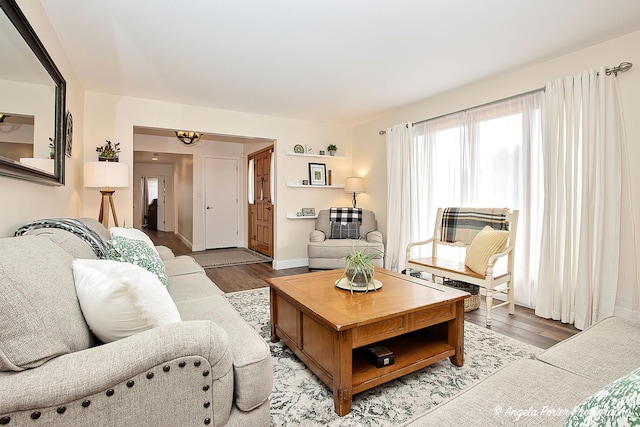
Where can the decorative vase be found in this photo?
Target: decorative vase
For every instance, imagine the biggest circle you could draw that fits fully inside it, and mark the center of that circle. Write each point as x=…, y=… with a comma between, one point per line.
x=332, y=152
x=360, y=276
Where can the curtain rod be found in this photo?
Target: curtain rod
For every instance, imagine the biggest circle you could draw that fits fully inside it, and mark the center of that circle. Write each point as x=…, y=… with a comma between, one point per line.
x=623, y=67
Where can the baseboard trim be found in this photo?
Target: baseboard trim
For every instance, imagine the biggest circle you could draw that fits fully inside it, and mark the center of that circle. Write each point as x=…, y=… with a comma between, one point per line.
x=185, y=241
x=290, y=263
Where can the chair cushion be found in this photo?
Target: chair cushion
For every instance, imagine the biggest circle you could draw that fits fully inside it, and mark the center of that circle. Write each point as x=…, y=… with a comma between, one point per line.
x=347, y=230
x=41, y=317
x=486, y=243
x=120, y=299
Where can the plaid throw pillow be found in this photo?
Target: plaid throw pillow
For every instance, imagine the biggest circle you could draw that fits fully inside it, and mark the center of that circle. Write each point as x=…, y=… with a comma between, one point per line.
x=348, y=230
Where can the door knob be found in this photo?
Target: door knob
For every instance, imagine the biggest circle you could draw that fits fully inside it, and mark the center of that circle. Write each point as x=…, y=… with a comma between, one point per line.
x=209, y=207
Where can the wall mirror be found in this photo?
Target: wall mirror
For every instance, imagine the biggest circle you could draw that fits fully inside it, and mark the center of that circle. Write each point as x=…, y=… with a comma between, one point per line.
x=32, y=104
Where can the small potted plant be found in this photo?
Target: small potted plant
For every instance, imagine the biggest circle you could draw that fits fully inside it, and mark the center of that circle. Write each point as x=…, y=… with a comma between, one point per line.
x=109, y=152
x=359, y=268
x=332, y=149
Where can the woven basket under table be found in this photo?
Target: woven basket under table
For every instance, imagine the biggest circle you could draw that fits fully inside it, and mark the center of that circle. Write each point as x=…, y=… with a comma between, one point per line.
x=472, y=302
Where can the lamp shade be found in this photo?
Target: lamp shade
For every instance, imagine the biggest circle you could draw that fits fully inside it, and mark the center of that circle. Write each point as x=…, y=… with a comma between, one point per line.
x=354, y=184
x=106, y=174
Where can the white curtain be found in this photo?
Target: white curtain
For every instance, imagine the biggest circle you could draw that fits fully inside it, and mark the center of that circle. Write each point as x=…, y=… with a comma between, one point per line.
x=587, y=267
x=487, y=157
x=398, y=194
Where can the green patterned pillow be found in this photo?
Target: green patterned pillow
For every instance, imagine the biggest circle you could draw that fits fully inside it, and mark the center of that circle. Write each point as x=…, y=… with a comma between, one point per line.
x=618, y=404
x=138, y=253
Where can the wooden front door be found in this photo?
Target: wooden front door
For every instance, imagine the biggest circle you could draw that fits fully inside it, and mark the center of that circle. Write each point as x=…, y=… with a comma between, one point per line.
x=261, y=211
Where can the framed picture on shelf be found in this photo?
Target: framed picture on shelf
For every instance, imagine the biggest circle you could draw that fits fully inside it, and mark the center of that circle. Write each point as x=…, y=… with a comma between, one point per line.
x=308, y=212
x=317, y=174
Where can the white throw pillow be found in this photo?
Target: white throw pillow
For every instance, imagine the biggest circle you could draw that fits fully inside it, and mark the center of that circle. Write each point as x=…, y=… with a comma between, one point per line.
x=487, y=242
x=132, y=233
x=119, y=299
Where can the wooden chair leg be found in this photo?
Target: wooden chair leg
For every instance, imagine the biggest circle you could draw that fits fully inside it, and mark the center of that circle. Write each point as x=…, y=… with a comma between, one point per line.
x=511, y=298
x=489, y=302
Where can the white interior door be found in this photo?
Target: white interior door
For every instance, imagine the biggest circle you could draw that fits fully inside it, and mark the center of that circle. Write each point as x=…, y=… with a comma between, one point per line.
x=221, y=203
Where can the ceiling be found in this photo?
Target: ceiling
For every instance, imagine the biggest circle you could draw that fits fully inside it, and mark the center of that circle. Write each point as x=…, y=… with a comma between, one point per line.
x=338, y=61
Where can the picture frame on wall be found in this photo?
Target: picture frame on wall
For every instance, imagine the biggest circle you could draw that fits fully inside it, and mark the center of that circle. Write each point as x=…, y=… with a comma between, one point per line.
x=317, y=174
x=308, y=212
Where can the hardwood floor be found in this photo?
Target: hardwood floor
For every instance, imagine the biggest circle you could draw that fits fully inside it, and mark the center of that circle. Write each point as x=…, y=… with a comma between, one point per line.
x=523, y=326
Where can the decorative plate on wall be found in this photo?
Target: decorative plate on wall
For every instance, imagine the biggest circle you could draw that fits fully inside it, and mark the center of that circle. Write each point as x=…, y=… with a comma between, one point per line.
x=298, y=149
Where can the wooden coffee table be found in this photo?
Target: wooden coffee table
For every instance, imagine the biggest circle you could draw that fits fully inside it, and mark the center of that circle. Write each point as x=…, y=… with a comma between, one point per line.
x=330, y=330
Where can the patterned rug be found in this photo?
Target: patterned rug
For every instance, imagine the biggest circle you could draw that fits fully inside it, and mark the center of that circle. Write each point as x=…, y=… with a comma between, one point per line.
x=300, y=398
x=213, y=258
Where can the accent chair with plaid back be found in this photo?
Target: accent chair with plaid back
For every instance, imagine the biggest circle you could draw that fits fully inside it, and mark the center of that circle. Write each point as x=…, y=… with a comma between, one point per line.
x=337, y=231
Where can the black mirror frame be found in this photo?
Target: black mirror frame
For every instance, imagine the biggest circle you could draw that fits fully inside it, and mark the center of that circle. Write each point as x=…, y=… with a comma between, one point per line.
x=15, y=169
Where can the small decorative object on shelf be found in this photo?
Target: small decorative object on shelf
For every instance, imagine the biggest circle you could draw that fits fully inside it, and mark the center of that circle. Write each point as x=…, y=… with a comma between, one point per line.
x=308, y=212
x=322, y=152
x=332, y=149
x=109, y=152
x=305, y=182
x=309, y=150
x=299, y=149
x=330, y=181
x=359, y=270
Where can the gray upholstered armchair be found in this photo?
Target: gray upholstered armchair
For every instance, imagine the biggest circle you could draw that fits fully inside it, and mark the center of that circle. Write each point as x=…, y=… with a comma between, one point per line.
x=327, y=252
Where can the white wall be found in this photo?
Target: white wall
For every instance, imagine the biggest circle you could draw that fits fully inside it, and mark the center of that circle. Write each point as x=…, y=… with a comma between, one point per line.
x=24, y=201
x=113, y=117
x=371, y=158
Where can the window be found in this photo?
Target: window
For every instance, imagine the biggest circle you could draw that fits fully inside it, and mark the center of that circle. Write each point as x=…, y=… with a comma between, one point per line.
x=487, y=157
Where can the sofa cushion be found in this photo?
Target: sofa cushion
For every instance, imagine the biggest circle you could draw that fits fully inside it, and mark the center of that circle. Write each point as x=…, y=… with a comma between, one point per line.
x=188, y=287
x=526, y=392
x=618, y=404
x=41, y=317
x=253, y=373
x=119, y=299
x=165, y=253
x=132, y=233
x=182, y=264
x=139, y=253
x=96, y=226
x=589, y=353
x=70, y=242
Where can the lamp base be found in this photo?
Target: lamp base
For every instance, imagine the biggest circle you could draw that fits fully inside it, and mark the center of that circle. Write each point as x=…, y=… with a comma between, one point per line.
x=353, y=202
x=105, y=203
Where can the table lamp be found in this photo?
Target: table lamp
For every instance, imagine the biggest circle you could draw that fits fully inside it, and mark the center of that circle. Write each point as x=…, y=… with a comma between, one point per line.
x=106, y=175
x=355, y=185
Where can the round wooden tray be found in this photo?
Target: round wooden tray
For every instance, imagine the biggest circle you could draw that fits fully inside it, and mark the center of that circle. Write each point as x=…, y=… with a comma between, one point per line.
x=344, y=284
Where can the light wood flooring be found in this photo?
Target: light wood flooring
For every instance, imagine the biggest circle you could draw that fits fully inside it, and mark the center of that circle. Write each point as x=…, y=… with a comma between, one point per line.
x=523, y=326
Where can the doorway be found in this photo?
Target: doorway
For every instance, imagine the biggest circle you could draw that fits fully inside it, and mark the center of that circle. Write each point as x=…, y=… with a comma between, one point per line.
x=260, y=209
x=153, y=202
x=221, y=202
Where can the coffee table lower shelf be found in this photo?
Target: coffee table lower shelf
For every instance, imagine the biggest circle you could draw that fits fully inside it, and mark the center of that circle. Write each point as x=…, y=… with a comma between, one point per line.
x=409, y=357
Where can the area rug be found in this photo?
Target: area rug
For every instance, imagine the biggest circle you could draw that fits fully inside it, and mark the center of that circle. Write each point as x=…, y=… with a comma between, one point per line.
x=227, y=257
x=300, y=398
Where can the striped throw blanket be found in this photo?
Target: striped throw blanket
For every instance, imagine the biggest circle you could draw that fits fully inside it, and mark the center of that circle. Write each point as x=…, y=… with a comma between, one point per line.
x=74, y=226
x=344, y=215
x=462, y=224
